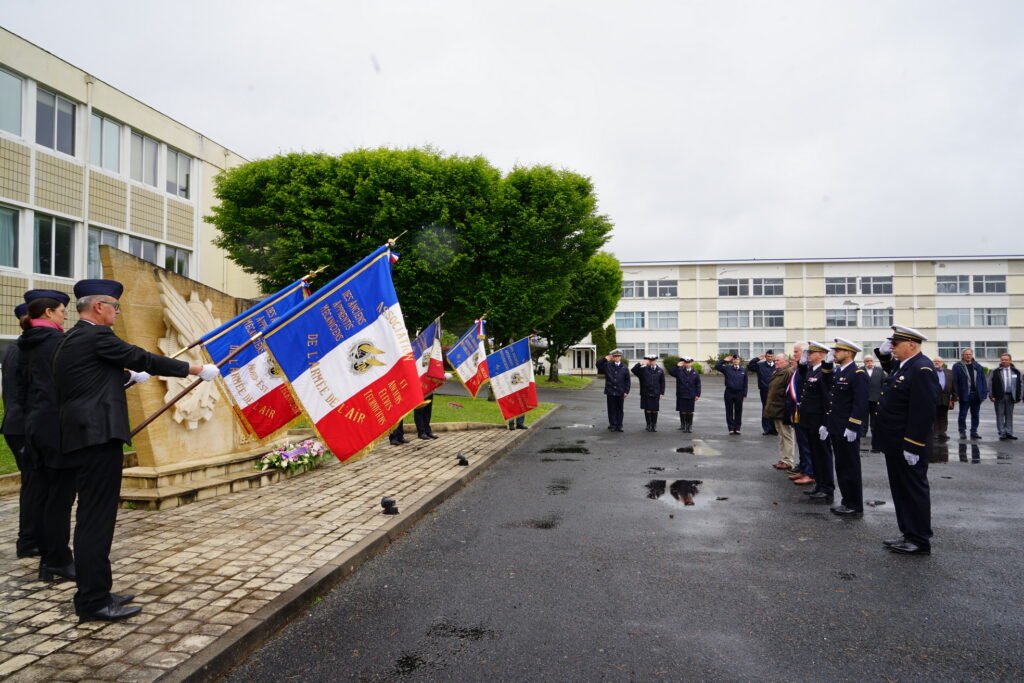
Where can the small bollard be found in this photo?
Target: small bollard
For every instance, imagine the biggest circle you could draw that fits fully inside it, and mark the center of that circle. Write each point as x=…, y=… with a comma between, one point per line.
x=462, y=460
x=390, y=505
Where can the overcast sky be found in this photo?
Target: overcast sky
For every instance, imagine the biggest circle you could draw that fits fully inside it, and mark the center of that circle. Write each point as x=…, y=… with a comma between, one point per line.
x=711, y=129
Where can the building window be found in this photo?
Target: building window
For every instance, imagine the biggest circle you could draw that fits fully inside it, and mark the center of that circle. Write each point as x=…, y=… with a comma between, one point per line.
x=54, y=246
x=733, y=287
x=954, y=317
x=632, y=289
x=990, y=317
x=663, y=320
x=757, y=348
x=97, y=237
x=663, y=349
x=632, y=351
x=741, y=349
x=989, y=284
x=8, y=237
x=952, y=284
x=841, y=317
x=876, y=317
x=662, y=288
x=951, y=350
x=179, y=169
x=144, y=154
x=839, y=286
x=144, y=249
x=105, y=143
x=734, y=318
x=990, y=350
x=769, y=319
x=10, y=102
x=176, y=260
x=876, y=284
x=55, y=122
x=767, y=286
x=629, y=320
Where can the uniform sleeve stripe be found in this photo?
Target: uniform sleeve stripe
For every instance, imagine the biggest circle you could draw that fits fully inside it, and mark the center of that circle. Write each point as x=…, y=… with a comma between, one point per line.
x=855, y=421
x=913, y=442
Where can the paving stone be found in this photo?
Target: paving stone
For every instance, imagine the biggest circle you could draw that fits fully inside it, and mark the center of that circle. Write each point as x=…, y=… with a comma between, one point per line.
x=16, y=663
x=31, y=674
x=193, y=643
x=104, y=656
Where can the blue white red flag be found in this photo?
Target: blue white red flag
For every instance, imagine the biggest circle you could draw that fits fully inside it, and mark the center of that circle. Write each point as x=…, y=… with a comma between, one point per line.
x=258, y=394
x=512, y=381
x=469, y=358
x=346, y=354
x=426, y=348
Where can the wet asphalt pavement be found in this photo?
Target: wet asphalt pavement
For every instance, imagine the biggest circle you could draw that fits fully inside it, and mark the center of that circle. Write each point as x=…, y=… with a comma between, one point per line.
x=587, y=555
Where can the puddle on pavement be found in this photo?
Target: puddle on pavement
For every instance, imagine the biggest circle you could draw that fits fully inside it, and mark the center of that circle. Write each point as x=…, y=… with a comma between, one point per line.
x=967, y=452
x=558, y=486
x=655, y=488
x=698, y=447
x=565, y=449
x=549, y=522
x=560, y=459
x=652, y=470
x=682, y=490
x=462, y=632
x=409, y=662
x=579, y=426
x=552, y=428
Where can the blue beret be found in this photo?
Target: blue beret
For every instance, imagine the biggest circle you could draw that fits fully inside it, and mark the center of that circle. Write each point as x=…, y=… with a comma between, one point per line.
x=20, y=311
x=33, y=294
x=111, y=288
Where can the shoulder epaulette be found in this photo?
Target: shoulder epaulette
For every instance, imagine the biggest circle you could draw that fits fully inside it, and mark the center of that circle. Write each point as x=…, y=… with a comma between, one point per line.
x=859, y=370
x=925, y=367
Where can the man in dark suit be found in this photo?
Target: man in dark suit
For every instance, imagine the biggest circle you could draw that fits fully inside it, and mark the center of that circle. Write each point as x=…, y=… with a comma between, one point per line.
x=906, y=414
x=875, y=376
x=616, y=387
x=652, y=389
x=971, y=389
x=764, y=367
x=735, y=391
x=946, y=398
x=847, y=410
x=89, y=371
x=1006, y=390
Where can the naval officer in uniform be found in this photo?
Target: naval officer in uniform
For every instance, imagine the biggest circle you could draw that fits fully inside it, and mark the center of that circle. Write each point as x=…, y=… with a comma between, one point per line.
x=905, y=417
x=616, y=387
x=652, y=389
x=847, y=411
x=89, y=373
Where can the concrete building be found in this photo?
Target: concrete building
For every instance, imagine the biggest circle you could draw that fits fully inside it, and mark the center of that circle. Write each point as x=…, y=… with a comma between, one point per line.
x=84, y=164
x=704, y=308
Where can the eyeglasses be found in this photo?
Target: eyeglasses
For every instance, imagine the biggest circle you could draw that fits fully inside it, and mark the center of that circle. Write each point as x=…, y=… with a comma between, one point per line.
x=115, y=304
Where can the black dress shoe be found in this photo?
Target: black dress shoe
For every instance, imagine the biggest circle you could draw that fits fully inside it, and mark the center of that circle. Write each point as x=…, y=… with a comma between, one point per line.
x=423, y=436
x=117, y=600
x=963, y=435
x=28, y=552
x=48, y=573
x=975, y=436
x=844, y=511
x=111, y=612
x=1011, y=437
x=431, y=435
x=517, y=427
x=617, y=429
x=823, y=496
x=894, y=541
x=910, y=548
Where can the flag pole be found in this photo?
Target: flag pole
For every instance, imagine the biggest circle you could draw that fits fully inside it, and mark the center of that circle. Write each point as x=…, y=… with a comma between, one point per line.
x=181, y=394
x=305, y=277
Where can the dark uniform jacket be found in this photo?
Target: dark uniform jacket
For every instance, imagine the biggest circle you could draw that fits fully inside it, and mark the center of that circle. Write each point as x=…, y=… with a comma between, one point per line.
x=1014, y=388
x=848, y=400
x=814, y=384
x=38, y=394
x=88, y=369
x=652, y=379
x=735, y=379
x=906, y=412
x=14, y=418
x=616, y=377
x=764, y=371
x=687, y=381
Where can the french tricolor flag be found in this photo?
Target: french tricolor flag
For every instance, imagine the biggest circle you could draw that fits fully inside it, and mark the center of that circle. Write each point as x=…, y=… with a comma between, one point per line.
x=512, y=379
x=346, y=354
x=261, y=401
x=426, y=348
x=469, y=358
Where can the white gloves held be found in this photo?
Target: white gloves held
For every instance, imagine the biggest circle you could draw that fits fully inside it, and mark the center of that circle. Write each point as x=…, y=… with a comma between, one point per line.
x=830, y=357
x=911, y=458
x=209, y=372
x=850, y=435
x=822, y=432
x=139, y=377
x=886, y=347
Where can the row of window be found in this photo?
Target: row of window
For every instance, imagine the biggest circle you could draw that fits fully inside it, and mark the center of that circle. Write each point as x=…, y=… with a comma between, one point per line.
x=53, y=246
x=948, y=350
x=55, y=129
x=834, y=286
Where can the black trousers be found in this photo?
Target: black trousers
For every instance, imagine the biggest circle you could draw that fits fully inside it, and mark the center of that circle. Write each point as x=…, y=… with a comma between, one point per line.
x=942, y=419
x=54, y=548
x=734, y=412
x=97, y=477
x=422, y=417
x=31, y=497
x=615, y=404
x=847, y=459
x=910, y=496
x=767, y=426
x=866, y=427
x=821, y=458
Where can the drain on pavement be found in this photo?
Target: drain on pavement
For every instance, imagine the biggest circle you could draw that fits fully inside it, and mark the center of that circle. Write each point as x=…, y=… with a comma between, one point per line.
x=565, y=449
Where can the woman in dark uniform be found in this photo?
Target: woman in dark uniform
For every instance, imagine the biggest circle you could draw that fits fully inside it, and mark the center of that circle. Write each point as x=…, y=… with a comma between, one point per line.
x=687, y=391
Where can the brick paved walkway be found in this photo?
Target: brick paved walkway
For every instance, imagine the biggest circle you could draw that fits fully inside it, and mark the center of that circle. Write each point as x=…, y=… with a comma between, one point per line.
x=202, y=569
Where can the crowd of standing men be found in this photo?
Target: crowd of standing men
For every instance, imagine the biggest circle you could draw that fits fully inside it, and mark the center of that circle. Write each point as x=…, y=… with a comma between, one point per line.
x=66, y=421
x=820, y=403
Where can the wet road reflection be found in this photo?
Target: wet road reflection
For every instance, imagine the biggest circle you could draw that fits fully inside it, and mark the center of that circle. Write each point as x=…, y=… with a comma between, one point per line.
x=682, y=490
x=967, y=452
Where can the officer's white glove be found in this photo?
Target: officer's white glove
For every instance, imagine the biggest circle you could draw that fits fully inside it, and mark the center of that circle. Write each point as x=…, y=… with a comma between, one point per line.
x=803, y=357
x=911, y=458
x=822, y=432
x=209, y=372
x=885, y=348
x=850, y=435
x=831, y=357
x=139, y=377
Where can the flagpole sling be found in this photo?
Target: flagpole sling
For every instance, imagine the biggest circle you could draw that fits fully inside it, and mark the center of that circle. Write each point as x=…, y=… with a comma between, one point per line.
x=186, y=390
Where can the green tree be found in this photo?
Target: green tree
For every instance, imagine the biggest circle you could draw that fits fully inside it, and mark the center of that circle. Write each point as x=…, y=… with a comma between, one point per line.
x=609, y=337
x=594, y=292
x=597, y=337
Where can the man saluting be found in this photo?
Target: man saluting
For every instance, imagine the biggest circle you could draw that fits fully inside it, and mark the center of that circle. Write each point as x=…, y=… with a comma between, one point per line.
x=616, y=387
x=89, y=372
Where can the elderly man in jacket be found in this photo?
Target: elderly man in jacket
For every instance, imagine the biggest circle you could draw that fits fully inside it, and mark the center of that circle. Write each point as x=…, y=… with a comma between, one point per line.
x=775, y=410
x=947, y=398
x=1006, y=390
x=971, y=389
